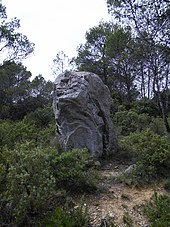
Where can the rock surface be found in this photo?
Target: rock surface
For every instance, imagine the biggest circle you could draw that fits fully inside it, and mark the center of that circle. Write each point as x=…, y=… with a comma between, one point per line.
x=81, y=104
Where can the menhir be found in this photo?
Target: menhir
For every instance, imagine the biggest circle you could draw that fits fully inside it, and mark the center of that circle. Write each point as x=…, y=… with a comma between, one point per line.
x=81, y=104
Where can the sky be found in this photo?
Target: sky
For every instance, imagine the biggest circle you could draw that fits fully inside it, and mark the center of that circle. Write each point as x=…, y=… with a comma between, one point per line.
x=55, y=25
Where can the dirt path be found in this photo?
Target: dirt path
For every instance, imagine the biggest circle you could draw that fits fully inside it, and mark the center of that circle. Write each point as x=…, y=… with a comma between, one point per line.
x=116, y=202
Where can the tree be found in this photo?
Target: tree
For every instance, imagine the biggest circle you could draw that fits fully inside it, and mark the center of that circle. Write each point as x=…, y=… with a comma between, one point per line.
x=13, y=45
x=160, y=76
x=14, y=78
x=150, y=24
x=121, y=49
x=62, y=63
x=145, y=17
x=108, y=53
x=18, y=95
x=14, y=89
x=92, y=55
x=41, y=90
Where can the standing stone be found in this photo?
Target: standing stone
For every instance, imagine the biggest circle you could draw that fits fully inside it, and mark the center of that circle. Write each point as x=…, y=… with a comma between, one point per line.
x=81, y=104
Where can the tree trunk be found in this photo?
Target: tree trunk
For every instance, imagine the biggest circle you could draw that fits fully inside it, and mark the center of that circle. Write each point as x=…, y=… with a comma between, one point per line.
x=164, y=114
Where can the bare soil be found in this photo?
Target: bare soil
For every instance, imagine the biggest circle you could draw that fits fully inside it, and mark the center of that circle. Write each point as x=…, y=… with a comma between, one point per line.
x=118, y=203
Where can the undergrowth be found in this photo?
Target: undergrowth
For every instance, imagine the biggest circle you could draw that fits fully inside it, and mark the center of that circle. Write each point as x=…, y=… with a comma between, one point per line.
x=32, y=177
x=157, y=211
x=151, y=157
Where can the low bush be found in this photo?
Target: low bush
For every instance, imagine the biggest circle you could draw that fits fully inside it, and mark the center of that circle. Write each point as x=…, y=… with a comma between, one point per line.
x=28, y=184
x=41, y=117
x=72, y=172
x=31, y=178
x=157, y=211
x=166, y=184
x=157, y=126
x=129, y=121
x=16, y=132
x=147, y=106
x=73, y=218
x=151, y=154
x=12, y=133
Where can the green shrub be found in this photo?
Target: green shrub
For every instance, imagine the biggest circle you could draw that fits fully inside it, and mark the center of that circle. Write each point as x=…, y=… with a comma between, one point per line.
x=32, y=176
x=157, y=211
x=74, y=218
x=41, y=117
x=146, y=106
x=28, y=184
x=129, y=121
x=166, y=184
x=12, y=133
x=72, y=172
x=152, y=155
x=16, y=132
x=46, y=135
x=77, y=217
x=157, y=126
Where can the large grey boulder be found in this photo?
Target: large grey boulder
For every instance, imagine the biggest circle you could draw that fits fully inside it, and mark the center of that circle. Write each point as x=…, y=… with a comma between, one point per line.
x=81, y=104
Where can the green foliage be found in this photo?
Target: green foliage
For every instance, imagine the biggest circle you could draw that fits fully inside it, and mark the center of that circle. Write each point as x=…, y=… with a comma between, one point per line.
x=108, y=53
x=13, y=45
x=71, y=170
x=92, y=55
x=32, y=176
x=45, y=137
x=157, y=211
x=28, y=183
x=16, y=132
x=42, y=91
x=20, y=96
x=14, y=89
x=12, y=133
x=157, y=126
x=150, y=19
x=73, y=218
x=146, y=106
x=152, y=153
x=41, y=117
x=129, y=121
x=166, y=184
x=127, y=220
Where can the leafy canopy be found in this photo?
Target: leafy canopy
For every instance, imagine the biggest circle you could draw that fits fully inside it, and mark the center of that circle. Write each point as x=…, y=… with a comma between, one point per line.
x=13, y=44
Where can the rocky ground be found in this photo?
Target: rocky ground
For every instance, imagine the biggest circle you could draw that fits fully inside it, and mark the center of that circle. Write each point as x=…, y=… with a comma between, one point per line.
x=118, y=203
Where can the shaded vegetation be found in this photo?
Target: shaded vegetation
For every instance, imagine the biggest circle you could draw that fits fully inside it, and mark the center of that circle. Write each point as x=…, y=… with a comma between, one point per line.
x=31, y=176
x=73, y=218
x=151, y=155
x=158, y=210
